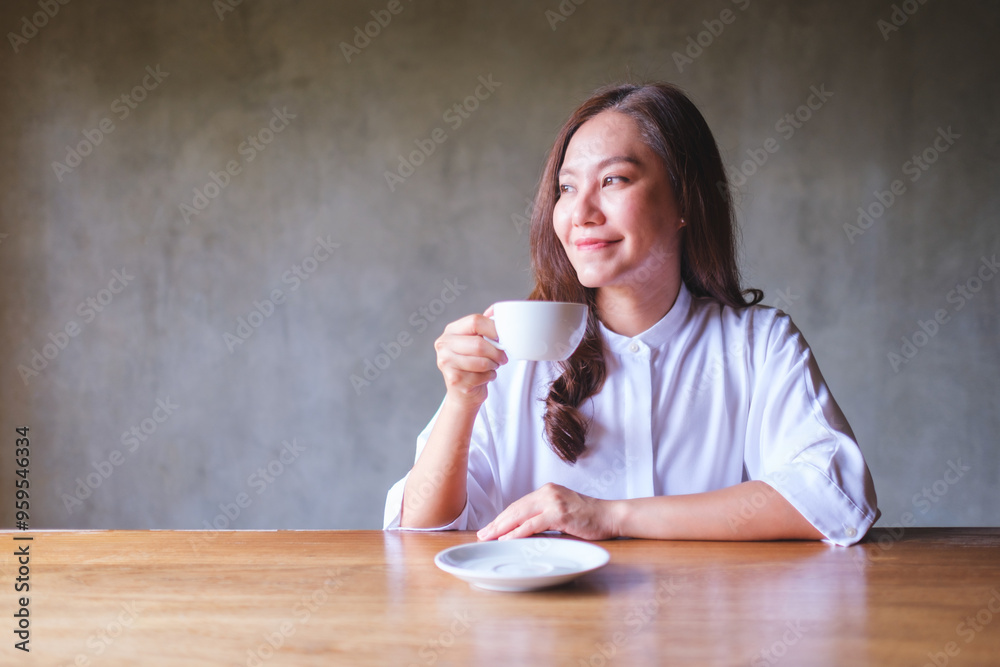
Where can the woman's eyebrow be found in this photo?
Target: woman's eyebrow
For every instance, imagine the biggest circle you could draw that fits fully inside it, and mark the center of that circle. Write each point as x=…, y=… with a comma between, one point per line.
x=630, y=159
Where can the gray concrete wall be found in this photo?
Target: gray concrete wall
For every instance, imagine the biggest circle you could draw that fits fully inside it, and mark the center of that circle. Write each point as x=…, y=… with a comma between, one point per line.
x=211, y=413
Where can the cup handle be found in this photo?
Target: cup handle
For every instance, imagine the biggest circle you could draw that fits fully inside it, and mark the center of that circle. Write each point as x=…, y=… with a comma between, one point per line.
x=494, y=343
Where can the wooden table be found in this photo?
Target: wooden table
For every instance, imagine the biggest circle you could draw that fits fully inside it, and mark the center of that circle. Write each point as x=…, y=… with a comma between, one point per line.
x=147, y=598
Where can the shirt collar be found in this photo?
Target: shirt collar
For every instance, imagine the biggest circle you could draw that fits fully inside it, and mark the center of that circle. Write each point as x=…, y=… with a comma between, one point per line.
x=658, y=334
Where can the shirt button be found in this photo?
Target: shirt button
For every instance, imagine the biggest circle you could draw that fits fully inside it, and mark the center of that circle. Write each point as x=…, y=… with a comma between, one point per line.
x=850, y=531
x=633, y=348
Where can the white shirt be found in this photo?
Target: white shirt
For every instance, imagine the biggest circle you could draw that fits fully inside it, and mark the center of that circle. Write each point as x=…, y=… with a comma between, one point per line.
x=708, y=397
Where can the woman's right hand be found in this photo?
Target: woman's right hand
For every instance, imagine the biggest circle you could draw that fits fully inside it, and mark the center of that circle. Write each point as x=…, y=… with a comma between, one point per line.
x=467, y=362
x=437, y=487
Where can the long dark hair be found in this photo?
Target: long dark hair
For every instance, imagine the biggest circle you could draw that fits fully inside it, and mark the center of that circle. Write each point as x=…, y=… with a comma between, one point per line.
x=673, y=127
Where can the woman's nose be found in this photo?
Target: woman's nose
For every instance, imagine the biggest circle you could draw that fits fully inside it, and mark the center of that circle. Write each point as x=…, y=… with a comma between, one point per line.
x=587, y=208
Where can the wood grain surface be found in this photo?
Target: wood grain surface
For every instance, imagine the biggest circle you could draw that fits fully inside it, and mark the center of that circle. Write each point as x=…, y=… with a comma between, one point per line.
x=150, y=598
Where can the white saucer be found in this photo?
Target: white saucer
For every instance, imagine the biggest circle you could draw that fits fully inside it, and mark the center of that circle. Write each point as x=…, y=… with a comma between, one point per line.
x=521, y=565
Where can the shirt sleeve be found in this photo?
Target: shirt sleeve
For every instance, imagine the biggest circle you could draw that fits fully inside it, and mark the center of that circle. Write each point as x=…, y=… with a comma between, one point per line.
x=483, y=502
x=799, y=442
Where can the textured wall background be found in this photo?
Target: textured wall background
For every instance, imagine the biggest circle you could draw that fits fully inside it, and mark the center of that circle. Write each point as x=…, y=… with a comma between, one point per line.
x=134, y=304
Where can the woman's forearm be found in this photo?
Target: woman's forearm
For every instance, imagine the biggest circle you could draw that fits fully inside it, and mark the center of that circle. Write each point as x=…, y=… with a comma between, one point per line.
x=436, y=488
x=748, y=511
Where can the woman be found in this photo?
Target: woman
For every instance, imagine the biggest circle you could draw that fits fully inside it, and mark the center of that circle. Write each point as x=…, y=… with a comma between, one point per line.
x=688, y=412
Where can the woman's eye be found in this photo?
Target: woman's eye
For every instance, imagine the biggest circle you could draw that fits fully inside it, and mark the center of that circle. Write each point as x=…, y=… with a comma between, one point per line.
x=611, y=180
x=564, y=188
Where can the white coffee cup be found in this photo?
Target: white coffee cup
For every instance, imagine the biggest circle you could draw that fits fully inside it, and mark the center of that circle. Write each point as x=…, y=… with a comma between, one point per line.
x=539, y=330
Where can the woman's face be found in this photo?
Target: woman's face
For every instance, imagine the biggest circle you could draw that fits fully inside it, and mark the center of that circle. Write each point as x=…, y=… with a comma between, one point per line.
x=616, y=215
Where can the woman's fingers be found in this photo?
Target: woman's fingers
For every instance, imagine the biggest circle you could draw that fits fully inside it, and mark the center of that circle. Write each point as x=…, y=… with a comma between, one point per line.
x=510, y=519
x=551, y=507
x=474, y=325
x=467, y=362
x=536, y=524
x=485, y=325
x=469, y=347
x=461, y=364
x=461, y=350
x=530, y=512
x=471, y=325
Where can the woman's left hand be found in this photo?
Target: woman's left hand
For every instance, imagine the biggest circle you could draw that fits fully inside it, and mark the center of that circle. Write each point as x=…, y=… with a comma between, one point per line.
x=553, y=507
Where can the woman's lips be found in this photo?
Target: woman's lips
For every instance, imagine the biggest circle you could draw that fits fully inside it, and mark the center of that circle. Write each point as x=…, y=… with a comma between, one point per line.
x=594, y=244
